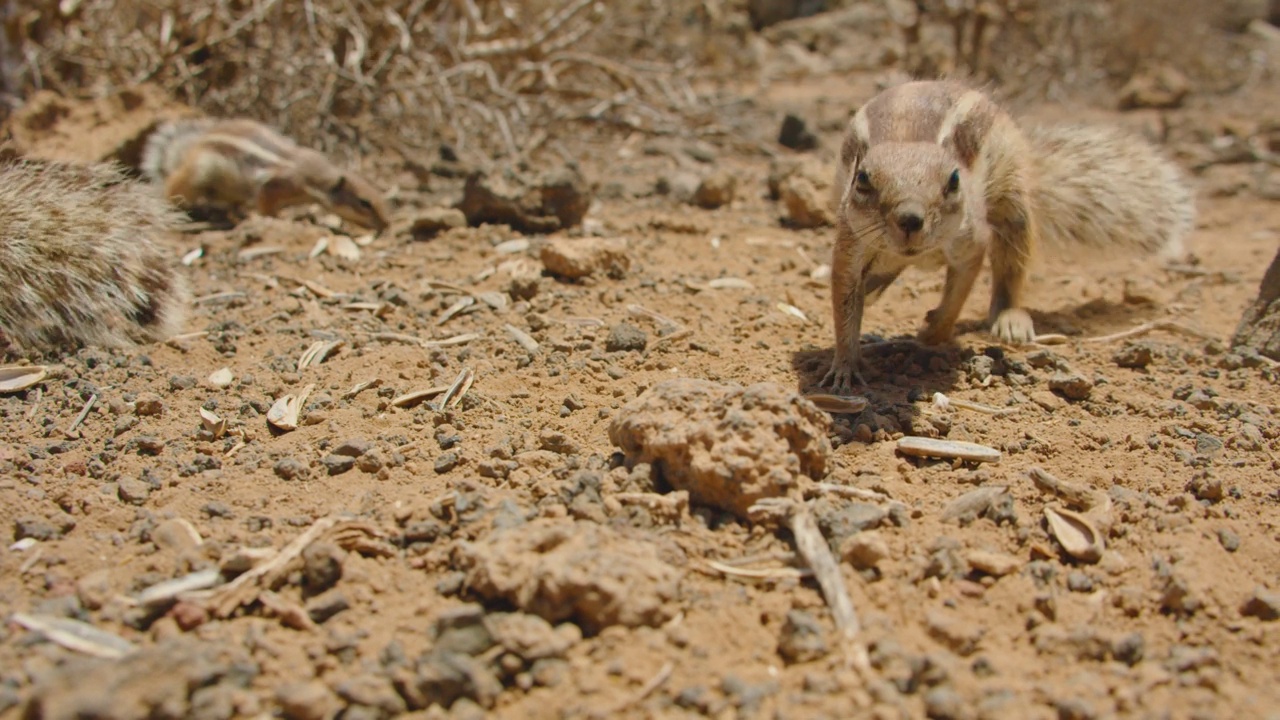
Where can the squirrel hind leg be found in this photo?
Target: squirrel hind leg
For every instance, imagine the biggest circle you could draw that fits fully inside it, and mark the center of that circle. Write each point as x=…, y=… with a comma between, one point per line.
x=162, y=304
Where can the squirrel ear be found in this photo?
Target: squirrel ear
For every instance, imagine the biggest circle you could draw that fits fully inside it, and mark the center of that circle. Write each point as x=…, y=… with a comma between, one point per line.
x=339, y=186
x=966, y=127
x=856, y=141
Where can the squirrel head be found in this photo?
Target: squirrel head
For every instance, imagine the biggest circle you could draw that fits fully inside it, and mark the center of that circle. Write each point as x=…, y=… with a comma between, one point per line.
x=907, y=162
x=346, y=194
x=912, y=193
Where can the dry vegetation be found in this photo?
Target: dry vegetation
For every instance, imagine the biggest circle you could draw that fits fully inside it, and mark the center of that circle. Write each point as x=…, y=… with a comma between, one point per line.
x=492, y=79
x=502, y=80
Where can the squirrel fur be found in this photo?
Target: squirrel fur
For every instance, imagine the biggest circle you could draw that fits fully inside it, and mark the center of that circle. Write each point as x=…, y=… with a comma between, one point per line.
x=82, y=261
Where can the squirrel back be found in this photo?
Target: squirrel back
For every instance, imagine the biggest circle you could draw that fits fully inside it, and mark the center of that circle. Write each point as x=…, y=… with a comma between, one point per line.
x=1102, y=188
x=166, y=146
x=80, y=262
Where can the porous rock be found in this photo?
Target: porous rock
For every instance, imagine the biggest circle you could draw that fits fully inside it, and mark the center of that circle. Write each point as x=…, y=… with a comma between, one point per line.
x=727, y=445
x=161, y=681
x=803, y=187
x=576, y=258
x=594, y=575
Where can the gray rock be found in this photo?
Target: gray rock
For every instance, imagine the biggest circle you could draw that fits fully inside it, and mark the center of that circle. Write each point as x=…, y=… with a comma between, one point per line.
x=291, y=469
x=41, y=529
x=1079, y=582
x=625, y=337
x=446, y=462
x=943, y=703
x=556, y=200
x=1263, y=604
x=374, y=691
x=803, y=638
x=133, y=491
x=148, y=404
x=354, y=447
x=322, y=566
x=1129, y=649
x=716, y=190
x=1072, y=386
x=311, y=700
x=795, y=134
x=327, y=604
x=338, y=464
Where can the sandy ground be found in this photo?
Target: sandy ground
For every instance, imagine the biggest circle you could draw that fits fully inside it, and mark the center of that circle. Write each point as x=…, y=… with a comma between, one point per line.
x=493, y=555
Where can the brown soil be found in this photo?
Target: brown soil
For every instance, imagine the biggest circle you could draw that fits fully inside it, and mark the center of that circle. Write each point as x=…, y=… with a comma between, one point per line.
x=513, y=498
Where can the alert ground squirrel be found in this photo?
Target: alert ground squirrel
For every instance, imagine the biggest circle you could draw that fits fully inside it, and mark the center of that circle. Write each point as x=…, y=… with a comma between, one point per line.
x=79, y=259
x=236, y=164
x=935, y=174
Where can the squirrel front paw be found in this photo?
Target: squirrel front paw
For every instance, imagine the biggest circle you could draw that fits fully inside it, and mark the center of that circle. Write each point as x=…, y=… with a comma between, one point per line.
x=935, y=331
x=1014, y=326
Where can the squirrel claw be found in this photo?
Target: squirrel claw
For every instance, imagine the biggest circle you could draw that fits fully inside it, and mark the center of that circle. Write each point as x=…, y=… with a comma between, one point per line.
x=1014, y=326
x=840, y=378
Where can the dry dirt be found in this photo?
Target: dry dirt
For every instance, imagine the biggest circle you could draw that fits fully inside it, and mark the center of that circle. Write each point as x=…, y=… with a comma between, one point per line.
x=497, y=555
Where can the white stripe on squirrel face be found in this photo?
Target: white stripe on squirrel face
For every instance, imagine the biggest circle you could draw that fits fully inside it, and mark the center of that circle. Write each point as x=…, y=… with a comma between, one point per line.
x=963, y=108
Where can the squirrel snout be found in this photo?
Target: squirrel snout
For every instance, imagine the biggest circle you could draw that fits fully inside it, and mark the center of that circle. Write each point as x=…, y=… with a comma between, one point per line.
x=909, y=221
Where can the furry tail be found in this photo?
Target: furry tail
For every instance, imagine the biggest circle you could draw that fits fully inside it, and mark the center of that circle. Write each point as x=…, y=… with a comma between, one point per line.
x=166, y=145
x=1105, y=189
x=80, y=262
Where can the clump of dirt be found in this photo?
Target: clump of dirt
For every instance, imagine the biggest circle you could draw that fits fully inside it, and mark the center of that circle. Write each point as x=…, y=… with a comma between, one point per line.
x=727, y=446
x=181, y=677
x=556, y=570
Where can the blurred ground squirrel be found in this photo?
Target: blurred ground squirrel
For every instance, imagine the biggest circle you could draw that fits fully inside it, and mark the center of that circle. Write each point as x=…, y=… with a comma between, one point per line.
x=934, y=173
x=79, y=259
x=236, y=164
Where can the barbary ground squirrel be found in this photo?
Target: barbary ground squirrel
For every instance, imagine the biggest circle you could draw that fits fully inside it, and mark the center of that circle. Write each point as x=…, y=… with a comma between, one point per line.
x=80, y=262
x=934, y=173
x=234, y=164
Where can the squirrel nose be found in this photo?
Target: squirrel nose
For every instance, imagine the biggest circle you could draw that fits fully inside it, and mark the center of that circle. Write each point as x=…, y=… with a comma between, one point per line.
x=909, y=221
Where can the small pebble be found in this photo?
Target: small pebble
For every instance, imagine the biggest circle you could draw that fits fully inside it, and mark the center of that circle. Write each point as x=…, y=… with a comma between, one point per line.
x=446, y=462
x=1079, y=582
x=1130, y=648
x=133, y=490
x=864, y=549
x=322, y=566
x=1229, y=540
x=182, y=382
x=943, y=703
x=148, y=404
x=327, y=604
x=625, y=337
x=291, y=469
x=311, y=700
x=355, y=447
x=803, y=638
x=1072, y=386
x=338, y=464
x=1263, y=604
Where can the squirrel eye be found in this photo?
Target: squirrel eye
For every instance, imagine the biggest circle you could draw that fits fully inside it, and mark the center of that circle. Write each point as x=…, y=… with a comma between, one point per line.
x=953, y=183
x=863, y=181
